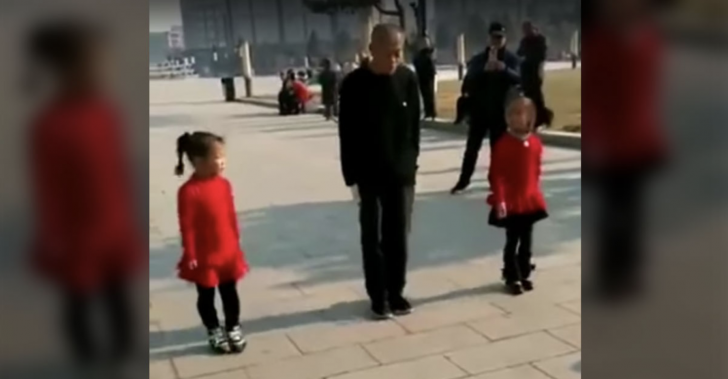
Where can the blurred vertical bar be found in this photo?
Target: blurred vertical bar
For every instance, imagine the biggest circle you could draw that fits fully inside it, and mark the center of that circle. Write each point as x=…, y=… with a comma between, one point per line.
x=671, y=322
x=34, y=309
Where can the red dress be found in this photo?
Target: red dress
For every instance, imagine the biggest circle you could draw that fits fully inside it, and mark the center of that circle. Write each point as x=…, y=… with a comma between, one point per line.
x=621, y=98
x=87, y=235
x=210, y=235
x=302, y=93
x=515, y=175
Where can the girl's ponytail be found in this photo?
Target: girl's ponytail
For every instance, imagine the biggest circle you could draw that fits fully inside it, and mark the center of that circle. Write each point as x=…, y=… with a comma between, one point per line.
x=182, y=146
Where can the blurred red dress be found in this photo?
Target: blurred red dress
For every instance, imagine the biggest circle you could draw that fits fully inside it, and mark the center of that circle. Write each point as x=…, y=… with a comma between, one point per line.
x=210, y=234
x=303, y=95
x=620, y=98
x=86, y=231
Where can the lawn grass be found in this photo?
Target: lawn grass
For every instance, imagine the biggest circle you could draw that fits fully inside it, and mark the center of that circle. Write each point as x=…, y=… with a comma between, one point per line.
x=562, y=90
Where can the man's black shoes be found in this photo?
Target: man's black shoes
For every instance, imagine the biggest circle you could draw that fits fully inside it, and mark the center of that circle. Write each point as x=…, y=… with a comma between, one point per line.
x=400, y=306
x=527, y=285
x=459, y=187
x=514, y=288
x=380, y=312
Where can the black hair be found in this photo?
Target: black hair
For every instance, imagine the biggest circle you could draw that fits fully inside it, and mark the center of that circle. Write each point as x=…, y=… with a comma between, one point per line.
x=63, y=46
x=195, y=145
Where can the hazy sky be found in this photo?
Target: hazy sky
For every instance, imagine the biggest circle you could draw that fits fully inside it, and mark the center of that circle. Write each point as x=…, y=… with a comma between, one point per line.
x=163, y=14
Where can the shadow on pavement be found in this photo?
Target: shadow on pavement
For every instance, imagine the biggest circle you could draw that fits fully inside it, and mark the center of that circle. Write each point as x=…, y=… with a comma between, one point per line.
x=191, y=341
x=321, y=240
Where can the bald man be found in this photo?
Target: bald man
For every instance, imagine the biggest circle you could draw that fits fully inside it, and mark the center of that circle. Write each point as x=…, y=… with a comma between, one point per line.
x=379, y=131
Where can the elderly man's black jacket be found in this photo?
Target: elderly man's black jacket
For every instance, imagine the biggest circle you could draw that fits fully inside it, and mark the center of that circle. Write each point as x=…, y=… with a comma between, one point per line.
x=379, y=127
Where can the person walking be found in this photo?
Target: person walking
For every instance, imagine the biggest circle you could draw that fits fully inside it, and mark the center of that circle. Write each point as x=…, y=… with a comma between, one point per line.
x=424, y=64
x=379, y=131
x=532, y=51
x=492, y=75
x=329, y=80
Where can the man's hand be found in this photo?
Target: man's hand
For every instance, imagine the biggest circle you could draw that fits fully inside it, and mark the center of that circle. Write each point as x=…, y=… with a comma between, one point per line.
x=501, y=211
x=355, y=193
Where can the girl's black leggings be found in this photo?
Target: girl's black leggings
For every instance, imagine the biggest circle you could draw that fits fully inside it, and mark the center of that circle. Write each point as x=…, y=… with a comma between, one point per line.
x=517, y=252
x=230, y=305
x=116, y=306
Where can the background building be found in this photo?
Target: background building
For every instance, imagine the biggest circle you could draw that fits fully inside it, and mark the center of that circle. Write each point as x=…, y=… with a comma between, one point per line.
x=283, y=32
x=167, y=45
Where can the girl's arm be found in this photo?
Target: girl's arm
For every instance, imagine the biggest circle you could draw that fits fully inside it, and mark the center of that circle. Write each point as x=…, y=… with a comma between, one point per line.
x=495, y=174
x=233, y=214
x=186, y=215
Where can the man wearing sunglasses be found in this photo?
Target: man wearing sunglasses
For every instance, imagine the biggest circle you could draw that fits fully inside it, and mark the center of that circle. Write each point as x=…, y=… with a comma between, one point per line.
x=492, y=75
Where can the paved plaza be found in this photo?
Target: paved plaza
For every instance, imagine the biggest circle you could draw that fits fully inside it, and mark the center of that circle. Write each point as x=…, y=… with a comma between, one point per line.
x=304, y=305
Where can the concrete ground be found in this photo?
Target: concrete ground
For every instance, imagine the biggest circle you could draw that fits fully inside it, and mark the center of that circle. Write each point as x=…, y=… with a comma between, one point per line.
x=304, y=305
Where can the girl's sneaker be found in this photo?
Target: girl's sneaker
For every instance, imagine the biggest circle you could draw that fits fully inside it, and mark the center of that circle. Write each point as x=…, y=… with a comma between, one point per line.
x=218, y=341
x=237, y=339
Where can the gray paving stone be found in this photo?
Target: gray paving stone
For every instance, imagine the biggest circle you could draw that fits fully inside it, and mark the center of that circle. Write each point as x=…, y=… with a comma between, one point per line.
x=423, y=344
x=570, y=334
x=574, y=306
x=331, y=335
x=520, y=372
x=448, y=312
x=162, y=370
x=510, y=352
x=564, y=367
x=261, y=349
x=315, y=366
x=518, y=323
x=425, y=368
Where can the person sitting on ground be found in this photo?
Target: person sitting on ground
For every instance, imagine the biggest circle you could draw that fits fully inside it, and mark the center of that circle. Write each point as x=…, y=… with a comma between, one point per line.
x=287, y=103
x=301, y=93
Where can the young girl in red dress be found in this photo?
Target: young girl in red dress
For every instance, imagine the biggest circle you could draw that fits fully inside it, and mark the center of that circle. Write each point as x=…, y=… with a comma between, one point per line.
x=212, y=257
x=516, y=197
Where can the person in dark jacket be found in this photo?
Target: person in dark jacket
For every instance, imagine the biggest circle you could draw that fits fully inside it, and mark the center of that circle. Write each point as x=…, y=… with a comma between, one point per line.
x=379, y=131
x=532, y=51
x=492, y=75
x=424, y=64
x=287, y=102
x=329, y=80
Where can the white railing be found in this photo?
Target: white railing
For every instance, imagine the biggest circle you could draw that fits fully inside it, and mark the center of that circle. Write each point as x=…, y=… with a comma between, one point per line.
x=172, y=70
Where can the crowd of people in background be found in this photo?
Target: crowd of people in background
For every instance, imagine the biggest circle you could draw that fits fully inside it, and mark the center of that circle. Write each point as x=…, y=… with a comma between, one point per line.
x=527, y=61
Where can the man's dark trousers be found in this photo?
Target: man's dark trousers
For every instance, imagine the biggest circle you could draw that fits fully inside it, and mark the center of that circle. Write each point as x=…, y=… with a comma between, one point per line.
x=427, y=88
x=495, y=127
x=532, y=86
x=384, y=218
